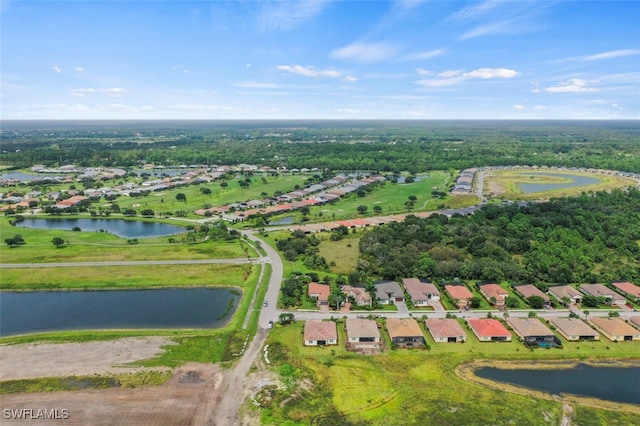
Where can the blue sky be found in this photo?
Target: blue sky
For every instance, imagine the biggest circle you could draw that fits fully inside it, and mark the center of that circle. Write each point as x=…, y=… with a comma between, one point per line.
x=404, y=59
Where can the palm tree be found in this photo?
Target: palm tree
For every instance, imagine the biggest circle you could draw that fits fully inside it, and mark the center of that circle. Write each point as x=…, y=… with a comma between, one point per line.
x=586, y=315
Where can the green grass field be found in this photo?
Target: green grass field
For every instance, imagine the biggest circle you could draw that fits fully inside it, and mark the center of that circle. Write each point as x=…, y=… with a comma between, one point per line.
x=415, y=386
x=504, y=184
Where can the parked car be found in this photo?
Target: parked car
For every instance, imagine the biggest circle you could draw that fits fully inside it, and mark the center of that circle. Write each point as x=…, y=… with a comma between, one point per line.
x=265, y=304
x=270, y=324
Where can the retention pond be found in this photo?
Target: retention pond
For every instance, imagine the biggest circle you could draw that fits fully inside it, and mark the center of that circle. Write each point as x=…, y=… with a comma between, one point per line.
x=619, y=384
x=173, y=308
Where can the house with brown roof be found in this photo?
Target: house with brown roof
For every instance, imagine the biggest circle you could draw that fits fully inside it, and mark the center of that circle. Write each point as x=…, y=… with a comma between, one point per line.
x=445, y=330
x=460, y=294
x=615, y=329
x=489, y=330
x=360, y=330
x=494, y=292
x=574, y=329
x=405, y=333
x=599, y=290
x=529, y=290
x=533, y=332
x=628, y=289
x=635, y=321
x=422, y=292
x=319, y=292
x=388, y=292
x=561, y=292
x=360, y=296
x=320, y=333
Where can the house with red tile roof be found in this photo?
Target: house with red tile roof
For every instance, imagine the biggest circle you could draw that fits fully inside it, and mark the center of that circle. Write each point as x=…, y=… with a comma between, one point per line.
x=489, y=330
x=445, y=330
x=320, y=333
x=319, y=292
x=460, y=294
x=494, y=291
x=628, y=289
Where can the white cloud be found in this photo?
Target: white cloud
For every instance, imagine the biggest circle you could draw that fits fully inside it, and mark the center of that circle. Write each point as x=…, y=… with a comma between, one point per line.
x=182, y=69
x=365, y=52
x=423, y=55
x=309, y=71
x=114, y=92
x=574, y=85
x=449, y=74
x=82, y=92
x=486, y=73
x=56, y=69
x=285, y=15
x=256, y=85
x=79, y=69
x=612, y=54
x=453, y=77
x=473, y=12
x=422, y=71
x=350, y=79
x=519, y=107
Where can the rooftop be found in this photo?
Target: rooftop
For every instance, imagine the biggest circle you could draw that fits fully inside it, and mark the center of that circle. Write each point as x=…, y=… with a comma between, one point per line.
x=320, y=330
x=445, y=327
x=573, y=326
x=359, y=327
x=526, y=327
x=405, y=327
x=488, y=327
x=614, y=326
x=458, y=291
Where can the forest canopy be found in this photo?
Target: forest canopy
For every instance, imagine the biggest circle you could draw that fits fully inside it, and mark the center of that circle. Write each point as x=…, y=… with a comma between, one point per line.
x=591, y=238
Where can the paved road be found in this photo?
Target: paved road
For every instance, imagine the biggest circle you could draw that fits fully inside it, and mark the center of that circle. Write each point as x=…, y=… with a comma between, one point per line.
x=235, y=386
x=131, y=263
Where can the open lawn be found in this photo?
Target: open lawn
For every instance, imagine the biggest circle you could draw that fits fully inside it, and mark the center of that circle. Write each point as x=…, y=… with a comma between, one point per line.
x=123, y=277
x=91, y=246
x=505, y=184
x=413, y=386
x=341, y=255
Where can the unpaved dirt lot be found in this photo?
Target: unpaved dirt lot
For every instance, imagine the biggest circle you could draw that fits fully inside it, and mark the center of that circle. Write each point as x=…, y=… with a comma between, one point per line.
x=74, y=359
x=196, y=394
x=183, y=400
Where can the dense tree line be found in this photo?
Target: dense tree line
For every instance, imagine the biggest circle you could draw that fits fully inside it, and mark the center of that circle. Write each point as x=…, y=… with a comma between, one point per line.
x=370, y=145
x=591, y=238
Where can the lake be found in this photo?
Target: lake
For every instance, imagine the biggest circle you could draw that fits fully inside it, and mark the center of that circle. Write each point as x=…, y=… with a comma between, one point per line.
x=620, y=384
x=33, y=312
x=119, y=227
x=576, y=180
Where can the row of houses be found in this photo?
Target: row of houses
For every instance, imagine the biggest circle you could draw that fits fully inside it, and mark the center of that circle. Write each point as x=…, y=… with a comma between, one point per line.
x=316, y=194
x=406, y=332
x=424, y=293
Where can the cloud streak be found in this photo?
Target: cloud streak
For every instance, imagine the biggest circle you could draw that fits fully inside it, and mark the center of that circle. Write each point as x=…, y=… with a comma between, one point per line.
x=365, y=52
x=312, y=72
x=454, y=77
x=574, y=85
x=286, y=15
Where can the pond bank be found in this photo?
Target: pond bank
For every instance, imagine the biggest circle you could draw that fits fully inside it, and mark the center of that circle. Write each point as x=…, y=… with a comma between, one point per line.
x=467, y=372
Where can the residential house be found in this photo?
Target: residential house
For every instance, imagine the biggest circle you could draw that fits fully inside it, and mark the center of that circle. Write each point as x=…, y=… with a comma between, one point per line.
x=405, y=333
x=494, y=292
x=422, y=292
x=360, y=330
x=574, y=329
x=599, y=290
x=561, y=292
x=615, y=329
x=628, y=289
x=460, y=294
x=534, y=332
x=320, y=333
x=360, y=296
x=635, y=321
x=388, y=292
x=489, y=330
x=319, y=292
x=445, y=330
x=529, y=290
